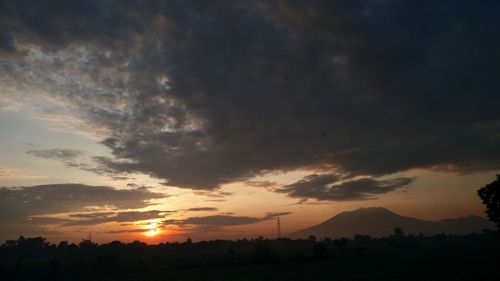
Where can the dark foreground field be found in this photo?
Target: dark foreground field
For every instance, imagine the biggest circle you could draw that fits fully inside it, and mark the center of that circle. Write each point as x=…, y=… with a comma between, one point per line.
x=399, y=257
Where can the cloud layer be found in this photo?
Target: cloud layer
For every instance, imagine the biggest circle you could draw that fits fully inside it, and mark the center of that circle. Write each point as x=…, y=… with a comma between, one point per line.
x=223, y=220
x=204, y=94
x=23, y=210
x=22, y=206
x=130, y=216
x=74, y=158
x=22, y=202
x=202, y=209
x=328, y=187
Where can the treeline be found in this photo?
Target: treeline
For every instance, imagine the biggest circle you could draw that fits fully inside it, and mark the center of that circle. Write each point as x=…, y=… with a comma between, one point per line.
x=36, y=257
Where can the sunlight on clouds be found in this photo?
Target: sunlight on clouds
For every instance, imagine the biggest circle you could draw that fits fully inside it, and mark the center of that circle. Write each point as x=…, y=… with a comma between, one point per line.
x=11, y=173
x=153, y=229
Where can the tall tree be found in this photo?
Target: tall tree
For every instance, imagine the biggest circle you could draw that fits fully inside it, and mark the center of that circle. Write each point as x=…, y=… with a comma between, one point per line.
x=490, y=195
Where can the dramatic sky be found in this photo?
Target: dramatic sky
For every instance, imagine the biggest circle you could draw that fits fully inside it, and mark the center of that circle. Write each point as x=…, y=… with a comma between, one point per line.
x=158, y=120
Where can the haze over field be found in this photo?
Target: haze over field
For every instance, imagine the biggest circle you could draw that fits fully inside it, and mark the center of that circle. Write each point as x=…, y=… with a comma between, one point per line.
x=161, y=120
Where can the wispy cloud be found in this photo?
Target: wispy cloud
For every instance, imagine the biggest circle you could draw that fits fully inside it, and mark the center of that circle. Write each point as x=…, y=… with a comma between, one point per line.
x=223, y=220
x=330, y=187
x=202, y=209
x=129, y=216
x=136, y=230
x=75, y=158
x=59, y=154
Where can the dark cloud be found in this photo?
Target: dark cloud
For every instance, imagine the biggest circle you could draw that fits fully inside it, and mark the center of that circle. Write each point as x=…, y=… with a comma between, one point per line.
x=201, y=94
x=214, y=194
x=223, y=220
x=264, y=184
x=131, y=216
x=327, y=187
x=57, y=23
x=43, y=220
x=77, y=159
x=59, y=154
x=24, y=210
x=128, y=231
x=62, y=198
x=92, y=215
x=136, y=215
x=198, y=209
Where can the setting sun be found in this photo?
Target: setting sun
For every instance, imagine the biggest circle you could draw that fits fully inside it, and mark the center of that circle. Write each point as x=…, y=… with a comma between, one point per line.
x=152, y=232
x=153, y=229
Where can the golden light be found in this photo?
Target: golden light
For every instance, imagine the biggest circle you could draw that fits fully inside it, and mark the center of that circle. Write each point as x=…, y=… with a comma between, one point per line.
x=153, y=229
x=151, y=232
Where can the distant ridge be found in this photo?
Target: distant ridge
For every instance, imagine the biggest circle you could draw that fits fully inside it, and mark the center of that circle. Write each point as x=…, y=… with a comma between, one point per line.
x=379, y=222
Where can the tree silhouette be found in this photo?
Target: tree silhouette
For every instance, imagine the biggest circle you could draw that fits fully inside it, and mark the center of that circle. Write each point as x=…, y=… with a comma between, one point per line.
x=340, y=244
x=312, y=238
x=398, y=232
x=490, y=195
x=255, y=259
x=397, y=239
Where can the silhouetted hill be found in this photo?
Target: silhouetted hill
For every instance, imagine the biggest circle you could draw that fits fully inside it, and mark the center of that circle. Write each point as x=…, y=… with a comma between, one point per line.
x=379, y=222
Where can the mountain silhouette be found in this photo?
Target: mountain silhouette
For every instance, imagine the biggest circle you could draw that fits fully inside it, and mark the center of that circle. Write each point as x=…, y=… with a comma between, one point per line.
x=379, y=222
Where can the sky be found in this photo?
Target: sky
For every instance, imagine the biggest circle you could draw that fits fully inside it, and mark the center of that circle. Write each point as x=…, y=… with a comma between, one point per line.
x=162, y=120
